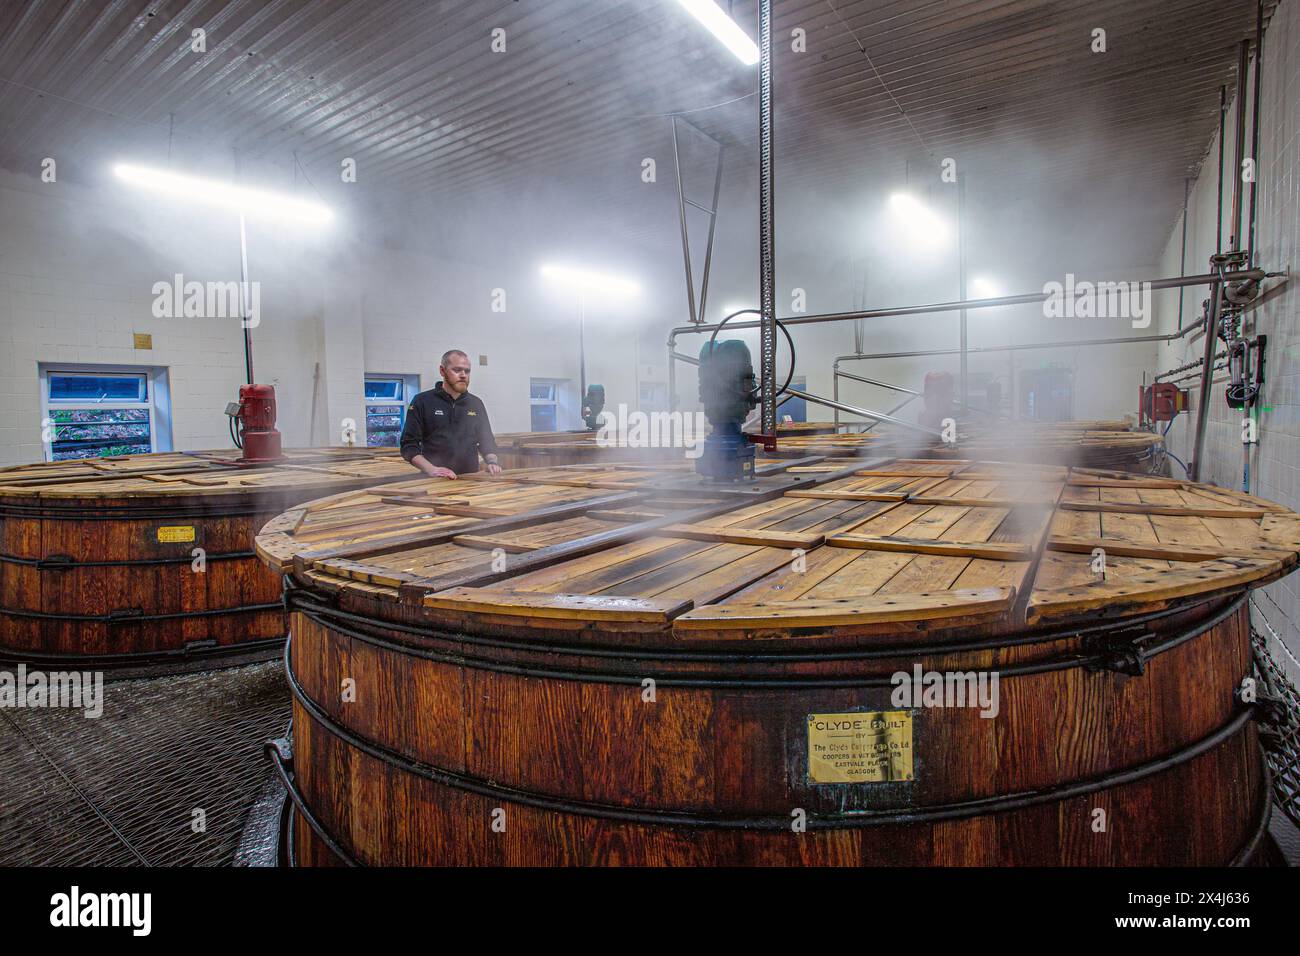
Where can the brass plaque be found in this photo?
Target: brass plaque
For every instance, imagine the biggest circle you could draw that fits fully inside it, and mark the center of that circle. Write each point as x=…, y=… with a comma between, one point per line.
x=143, y=340
x=176, y=534
x=860, y=747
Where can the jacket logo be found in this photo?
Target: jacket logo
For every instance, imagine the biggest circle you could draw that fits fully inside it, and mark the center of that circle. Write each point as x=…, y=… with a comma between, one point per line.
x=471, y=413
x=437, y=411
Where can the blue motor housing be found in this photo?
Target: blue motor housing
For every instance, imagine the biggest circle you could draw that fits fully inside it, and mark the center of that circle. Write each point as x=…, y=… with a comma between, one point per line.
x=727, y=392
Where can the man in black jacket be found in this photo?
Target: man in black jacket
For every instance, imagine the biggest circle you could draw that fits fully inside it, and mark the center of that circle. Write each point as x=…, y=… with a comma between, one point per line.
x=447, y=427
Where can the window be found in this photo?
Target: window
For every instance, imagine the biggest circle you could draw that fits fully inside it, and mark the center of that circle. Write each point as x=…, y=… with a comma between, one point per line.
x=545, y=406
x=92, y=412
x=387, y=397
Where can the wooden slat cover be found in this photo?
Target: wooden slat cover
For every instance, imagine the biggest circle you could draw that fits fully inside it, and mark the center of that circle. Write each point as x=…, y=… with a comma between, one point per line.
x=1148, y=589
x=991, y=543
x=198, y=474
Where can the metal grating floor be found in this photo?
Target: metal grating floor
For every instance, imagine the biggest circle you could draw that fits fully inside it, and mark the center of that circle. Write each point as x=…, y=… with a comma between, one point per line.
x=121, y=790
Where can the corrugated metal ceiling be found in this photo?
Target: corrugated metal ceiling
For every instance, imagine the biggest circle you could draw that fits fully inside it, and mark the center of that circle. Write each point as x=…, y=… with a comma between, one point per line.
x=412, y=90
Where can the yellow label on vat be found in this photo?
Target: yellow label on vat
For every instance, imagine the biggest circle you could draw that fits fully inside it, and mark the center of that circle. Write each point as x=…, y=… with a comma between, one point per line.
x=860, y=747
x=176, y=534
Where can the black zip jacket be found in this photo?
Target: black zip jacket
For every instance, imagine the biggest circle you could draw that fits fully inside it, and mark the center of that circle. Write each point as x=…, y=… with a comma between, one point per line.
x=449, y=433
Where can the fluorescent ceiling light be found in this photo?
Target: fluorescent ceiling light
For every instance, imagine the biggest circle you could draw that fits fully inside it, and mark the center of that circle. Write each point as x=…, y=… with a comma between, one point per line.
x=724, y=28
x=213, y=192
x=917, y=221
x=591, y=280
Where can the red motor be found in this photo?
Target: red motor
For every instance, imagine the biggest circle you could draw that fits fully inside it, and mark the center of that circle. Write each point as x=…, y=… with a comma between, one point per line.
x=1161, y=402
x=255, y=414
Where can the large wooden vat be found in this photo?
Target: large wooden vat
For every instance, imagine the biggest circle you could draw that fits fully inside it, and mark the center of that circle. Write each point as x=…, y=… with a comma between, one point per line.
x=1081, y=444
x=553, y=449
x=149, y=559
x=646, y=671
x=510, y=445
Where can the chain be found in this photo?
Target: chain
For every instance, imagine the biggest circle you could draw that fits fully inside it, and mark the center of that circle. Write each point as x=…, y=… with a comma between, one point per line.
x=1280, y=728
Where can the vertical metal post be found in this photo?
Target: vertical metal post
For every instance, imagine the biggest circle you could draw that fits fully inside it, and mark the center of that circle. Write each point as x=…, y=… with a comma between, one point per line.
x=582, y=345
x=1254, y=130
x=1223, y=112
x=1239, y=134
x=1182, y=262
x=672, y=378
x=1207, y=374
x=713, y=225
x=243, y=299
x=681, y=211
x=961, y=278
x=1013, y=410
x=835, y=389
x=766, y=225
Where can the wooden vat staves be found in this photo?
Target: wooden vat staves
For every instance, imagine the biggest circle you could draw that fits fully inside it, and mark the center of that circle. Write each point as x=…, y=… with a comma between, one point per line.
x=606, y=664
x=148, y=559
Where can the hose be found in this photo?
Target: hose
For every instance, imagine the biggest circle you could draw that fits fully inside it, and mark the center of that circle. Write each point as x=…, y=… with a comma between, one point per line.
x=789, y=341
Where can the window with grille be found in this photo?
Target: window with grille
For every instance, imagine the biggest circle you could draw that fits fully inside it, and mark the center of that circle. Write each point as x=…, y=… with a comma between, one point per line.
x=544, y=405
x=387, y=397
x=93, y=413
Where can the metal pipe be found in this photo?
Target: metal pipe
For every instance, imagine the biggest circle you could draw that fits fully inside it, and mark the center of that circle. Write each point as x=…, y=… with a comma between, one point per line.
x=906, y=401
x=1189, y=365
x=1223, y=112
x=766, y=226
x=1239, y=134
x=835, y=394
x=1218, y=367
x=713, y=224
x=1182, y=262
x=1027, y=299
x=1026, y=346
x=832, y=403
x=1207, y=372
x=681, y=214
x=1254, y=128
x=582, y=347
x=672, y=379
x=870, y=381
x=243, y=298
x=961, y=279
x=865, y=412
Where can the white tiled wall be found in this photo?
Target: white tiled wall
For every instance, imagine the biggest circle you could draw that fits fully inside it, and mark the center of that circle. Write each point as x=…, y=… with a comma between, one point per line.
x=1275, y=462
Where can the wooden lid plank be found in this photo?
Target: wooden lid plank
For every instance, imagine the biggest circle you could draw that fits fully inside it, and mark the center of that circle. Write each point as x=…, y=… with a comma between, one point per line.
x=579, y=607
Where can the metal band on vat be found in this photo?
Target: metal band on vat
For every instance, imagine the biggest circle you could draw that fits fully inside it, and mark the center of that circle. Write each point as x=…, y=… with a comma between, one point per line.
x=280, y=752
x=134, y=615
x=65, y=562
x=674, y=818
x=357, y=628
